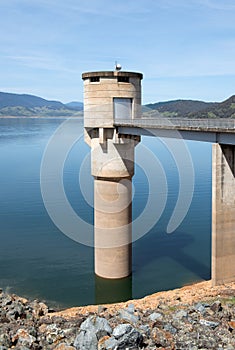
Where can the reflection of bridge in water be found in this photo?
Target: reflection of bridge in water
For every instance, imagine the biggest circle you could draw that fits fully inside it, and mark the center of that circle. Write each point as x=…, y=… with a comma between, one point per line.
x=113, y=127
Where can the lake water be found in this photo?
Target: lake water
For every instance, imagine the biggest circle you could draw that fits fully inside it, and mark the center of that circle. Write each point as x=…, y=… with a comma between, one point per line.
x=38, y=261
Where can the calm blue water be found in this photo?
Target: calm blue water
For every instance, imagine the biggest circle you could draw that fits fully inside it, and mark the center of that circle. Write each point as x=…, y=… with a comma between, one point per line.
x=39, y=261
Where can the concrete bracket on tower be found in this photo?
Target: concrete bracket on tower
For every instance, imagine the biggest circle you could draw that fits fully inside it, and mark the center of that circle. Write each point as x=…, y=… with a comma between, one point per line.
x=101, y=136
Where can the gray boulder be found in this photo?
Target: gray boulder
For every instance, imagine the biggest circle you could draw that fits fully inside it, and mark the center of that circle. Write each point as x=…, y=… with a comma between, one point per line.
x=131, y=308
x=155, y=316
x=22, y=337
x=124, y=336
x=211, y=324
x=128, y=315
x=91, y=330
x=180, y=314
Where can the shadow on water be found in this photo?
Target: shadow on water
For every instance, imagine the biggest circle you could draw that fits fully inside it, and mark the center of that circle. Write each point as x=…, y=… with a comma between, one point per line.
x=151, y=252
x=174, y=246
x=112, y=291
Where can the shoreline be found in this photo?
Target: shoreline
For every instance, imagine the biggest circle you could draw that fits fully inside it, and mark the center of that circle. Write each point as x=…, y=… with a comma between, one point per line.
x=40, y=117
x=189, y=294
x=193, y=317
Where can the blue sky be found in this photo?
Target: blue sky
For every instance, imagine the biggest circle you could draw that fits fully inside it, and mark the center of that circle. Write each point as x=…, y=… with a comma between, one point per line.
x=184, y=48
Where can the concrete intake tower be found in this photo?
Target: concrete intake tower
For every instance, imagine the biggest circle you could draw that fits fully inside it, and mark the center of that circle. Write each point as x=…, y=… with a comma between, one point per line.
x=110, y=96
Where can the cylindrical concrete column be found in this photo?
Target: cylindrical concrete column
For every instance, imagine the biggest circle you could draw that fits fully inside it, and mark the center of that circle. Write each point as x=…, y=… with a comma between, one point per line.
x=113, y=168
x=109, y=97
x=113, y=234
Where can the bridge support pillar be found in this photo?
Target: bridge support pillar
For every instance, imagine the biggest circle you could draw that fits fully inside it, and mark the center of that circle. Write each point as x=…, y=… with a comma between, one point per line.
x=112, y=165
x=223, y=214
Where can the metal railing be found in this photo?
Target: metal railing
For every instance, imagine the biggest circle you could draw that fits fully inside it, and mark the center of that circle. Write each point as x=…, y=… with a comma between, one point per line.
x=174, y=123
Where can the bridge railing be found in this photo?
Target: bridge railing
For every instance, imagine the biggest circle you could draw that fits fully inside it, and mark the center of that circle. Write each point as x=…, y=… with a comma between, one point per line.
x=225, y=124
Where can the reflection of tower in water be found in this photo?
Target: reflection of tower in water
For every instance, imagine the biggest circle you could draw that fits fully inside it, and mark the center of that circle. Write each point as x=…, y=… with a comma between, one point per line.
x=112, y=291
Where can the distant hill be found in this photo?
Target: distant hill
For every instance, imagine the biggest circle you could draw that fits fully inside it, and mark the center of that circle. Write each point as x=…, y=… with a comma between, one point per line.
x=179, y=108
x=30, y=105
x=75, y=105
x=225, y=109
x=191, y=109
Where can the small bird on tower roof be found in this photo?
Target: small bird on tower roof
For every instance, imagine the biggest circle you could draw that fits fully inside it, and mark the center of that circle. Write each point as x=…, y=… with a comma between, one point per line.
x=118, y=66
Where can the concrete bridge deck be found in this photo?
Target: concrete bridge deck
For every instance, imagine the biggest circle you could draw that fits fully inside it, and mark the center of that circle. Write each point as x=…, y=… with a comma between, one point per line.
x=206, y=130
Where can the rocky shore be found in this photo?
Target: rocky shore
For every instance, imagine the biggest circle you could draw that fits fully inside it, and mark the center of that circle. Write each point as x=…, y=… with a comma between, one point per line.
x=193, y=317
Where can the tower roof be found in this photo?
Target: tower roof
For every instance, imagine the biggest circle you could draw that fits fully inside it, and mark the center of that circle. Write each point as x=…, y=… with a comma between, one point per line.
x=110, y=74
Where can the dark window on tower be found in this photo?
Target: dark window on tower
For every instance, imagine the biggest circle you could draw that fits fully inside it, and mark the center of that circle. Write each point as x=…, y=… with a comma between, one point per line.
x=94, y=79
x=123, y=79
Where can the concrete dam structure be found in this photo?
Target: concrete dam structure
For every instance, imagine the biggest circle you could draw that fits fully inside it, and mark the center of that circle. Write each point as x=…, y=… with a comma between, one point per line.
x=113, y=127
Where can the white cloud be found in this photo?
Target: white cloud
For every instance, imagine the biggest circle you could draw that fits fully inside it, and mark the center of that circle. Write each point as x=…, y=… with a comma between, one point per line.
x=40, y=61
x=108, y=8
